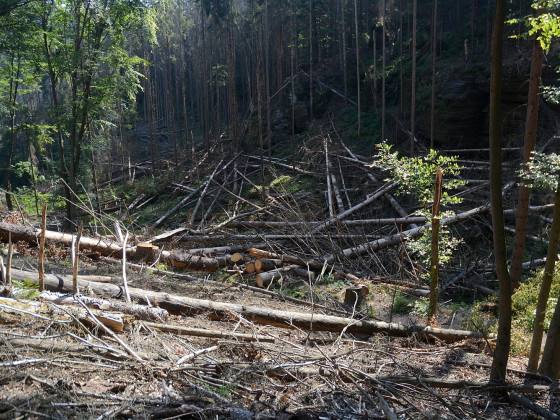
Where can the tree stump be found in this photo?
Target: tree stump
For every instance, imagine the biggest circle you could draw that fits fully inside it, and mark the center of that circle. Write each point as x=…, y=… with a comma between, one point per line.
x=354, y=296
x=145, y=252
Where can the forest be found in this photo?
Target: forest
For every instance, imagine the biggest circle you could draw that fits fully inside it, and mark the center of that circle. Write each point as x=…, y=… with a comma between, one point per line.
x=294, y=209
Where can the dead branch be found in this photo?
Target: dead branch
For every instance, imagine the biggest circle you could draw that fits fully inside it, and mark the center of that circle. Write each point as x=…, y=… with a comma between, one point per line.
x=180, y=330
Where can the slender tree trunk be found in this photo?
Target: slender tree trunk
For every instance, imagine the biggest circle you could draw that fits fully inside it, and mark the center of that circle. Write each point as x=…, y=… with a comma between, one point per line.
x=267, y=75
x=501, y=354
x=434, y=260
x=292, y=82
x=358, y=68
x=170, y=103
x=528, y=147
x=344, y=66
x=311, y=59
x=550, y=363
x=434, y=53
x=413, y=77
x=13, y=91
x=383, y=70
x=58, y=117
x=232, y=90
x=548, y=273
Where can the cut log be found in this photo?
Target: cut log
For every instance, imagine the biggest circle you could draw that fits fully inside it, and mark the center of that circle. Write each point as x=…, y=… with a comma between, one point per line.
x=198, y=332
x=267, y=278
x=192, y=262
x=237, y=258
x=284, y=319
x=250, y=267
x=263, y=264
x=227, y=260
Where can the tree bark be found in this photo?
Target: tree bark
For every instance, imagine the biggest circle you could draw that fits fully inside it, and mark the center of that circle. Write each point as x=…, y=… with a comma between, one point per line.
x=501, y=354
x=540, y=312
x=528, y=147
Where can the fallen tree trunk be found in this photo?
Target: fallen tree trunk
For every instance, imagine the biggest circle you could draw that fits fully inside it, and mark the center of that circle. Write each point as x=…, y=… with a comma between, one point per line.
x=198, y=332
x=143, y=312
x=29, y=234
x=283, y=319
x=104, y=246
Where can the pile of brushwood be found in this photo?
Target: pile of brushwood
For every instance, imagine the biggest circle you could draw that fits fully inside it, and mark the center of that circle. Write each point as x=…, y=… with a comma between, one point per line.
x=193, y=312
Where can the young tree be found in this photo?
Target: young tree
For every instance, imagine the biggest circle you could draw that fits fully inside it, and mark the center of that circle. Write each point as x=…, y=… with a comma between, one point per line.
x=84, y=42
x=543, y=171
x=542, y=27
x=501, y=354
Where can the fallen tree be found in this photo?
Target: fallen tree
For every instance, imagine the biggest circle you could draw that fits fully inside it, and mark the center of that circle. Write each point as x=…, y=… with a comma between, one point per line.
x=283, y=319
x=105, y=246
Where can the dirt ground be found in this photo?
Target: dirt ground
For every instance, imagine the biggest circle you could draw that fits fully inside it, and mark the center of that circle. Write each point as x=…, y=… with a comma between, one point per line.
x=56, y=367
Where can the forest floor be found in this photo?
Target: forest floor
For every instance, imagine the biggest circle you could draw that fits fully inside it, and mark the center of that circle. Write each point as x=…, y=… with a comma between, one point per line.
x=53, y=368
x=60, y=364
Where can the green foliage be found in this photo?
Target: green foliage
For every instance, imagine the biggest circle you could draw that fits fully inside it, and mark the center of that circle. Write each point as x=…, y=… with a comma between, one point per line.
x=544, y=24
x=416, y=175
x=26, y=289
x=25, y=196
x=402, y=304
x=542, y=171
x=420, y=307
x=524, y=301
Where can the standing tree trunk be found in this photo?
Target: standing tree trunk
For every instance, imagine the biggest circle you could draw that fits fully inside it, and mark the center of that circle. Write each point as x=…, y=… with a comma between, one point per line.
x=311, y=59
x=528, y=147
x=434, y=53
x=501, y=354
x=358, y=69
x=383, y=70
x=232, y=92
x=540, y=311
x=413, y=77
x=267, y=75
x=343, y=29
x=434, y=260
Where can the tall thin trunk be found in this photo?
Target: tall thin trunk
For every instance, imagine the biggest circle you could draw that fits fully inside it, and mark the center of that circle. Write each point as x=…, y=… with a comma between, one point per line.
x=544, y=292
x=383, y=64
x=170, y=103
x=232, y=90
x=344, y=66
x=434, y=54
x=401, y=57
x=311, y=59
x=501, y=354
x=550, y=363
x=358, y=68
x=267, y=75
x=292, y=83
x=57, y=113
x=413, y=77
x=13, y=92
x=528, y=148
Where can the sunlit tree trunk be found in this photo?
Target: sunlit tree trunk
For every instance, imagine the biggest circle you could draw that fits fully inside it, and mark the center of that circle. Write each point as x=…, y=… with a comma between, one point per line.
x=531, y=120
